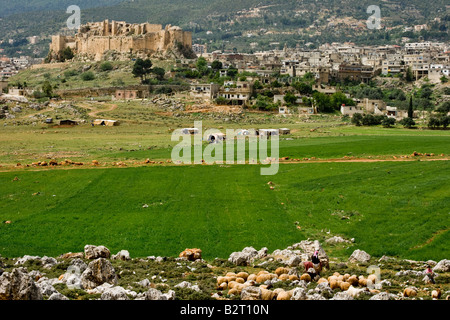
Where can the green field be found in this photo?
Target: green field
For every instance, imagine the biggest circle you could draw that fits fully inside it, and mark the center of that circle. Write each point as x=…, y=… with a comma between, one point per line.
x=389, y=208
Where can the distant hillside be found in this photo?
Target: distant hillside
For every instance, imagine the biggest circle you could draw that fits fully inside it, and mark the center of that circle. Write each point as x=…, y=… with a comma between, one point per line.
x=241, y=24
x=8, y=7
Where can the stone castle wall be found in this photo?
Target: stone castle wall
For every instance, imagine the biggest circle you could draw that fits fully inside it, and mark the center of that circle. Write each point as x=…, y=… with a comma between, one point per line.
x=94, y=39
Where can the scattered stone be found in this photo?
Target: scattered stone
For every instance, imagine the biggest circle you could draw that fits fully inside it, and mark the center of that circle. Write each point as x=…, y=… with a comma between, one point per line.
x=359, y=256
x=383, y=296
x=18, y=285
x=58, y=296
x=93, y=252
x=251, y=293
x=115, y=293
x=123, y=255
x=442, y=266
x=98, y=272
x=244, y=257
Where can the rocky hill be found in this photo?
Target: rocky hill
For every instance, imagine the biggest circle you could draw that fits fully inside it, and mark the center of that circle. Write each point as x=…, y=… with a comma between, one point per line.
x=250, y=274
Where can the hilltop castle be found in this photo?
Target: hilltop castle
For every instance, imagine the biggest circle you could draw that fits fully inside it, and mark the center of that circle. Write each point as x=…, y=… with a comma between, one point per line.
x=93, y=40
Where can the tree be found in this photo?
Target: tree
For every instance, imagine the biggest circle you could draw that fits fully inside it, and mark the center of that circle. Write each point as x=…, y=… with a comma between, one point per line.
x=88, y=76
x=66, y=54
x=202, y=65
x=444, y=107
x=407, y=123
x=159, y=73
x=216, y=65
x=106, y=66
x=410, y=108
x=303, y=88
x=357, y=119
x=409, y=75
x=47, y=89
x=338, y=99
x=388, y=122
x=434, y=123
x=142, y=68
x=290, y=98
x=323, y=102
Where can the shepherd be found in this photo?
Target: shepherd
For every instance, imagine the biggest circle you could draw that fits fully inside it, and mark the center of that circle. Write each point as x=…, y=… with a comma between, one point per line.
x=316, y=262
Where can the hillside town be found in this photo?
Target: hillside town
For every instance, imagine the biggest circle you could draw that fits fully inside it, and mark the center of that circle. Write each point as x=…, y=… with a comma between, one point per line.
x=280, y=81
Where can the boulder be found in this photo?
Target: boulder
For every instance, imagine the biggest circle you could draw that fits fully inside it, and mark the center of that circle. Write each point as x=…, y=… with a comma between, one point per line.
x=251, y=293
x=70, y=255
x=336, y=240
x=123, y=255
x=115, y=293
x=78, y=263
x=48, y=262
x=153, y=294
x=244, y=257
x=442, y=266
x=188, y=285
x=25, y=259
x=342, y=296
x=18, y=285
x=191, y=254
x=46, y=288
x=58, y=296
x=359, y=256
x=93, y=252
x=299, y=294
x=99, y=271
x=383, y=296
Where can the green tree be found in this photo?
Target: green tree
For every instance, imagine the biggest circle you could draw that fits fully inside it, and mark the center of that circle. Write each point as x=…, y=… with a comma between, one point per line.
x=407, y=122
x=434, y=123
x=323, y=102
x=388, y=122
x=47, y=89
x=202, y=65
x=106, y=66
x=290, y=98
x=303, y=88
x=88, y=76
x=66, y=54
x=357, y=119
x=410, y=108
x=409, y=75
x=216, y=65
x=159, y=73
x=142, y=68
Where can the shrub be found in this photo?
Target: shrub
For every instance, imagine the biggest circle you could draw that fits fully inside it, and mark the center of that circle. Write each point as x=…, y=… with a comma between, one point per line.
x=222, y=101
x=356, y=119
x=388, y=122
x=106, y=66
x=88, y=76
x=407, y=123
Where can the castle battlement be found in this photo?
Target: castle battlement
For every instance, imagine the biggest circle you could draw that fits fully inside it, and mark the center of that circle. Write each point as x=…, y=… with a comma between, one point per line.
x=95, y=39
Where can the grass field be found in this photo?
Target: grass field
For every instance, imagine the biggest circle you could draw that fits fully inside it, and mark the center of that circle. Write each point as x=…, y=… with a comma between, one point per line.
x=389, y=208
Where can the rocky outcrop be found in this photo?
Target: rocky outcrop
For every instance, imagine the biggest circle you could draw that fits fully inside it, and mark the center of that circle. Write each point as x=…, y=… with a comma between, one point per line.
x=442, y=266
x=115, y=293
x=18, y=285
x=359, y=256
x=246, y=256
x=93, y=252
x=123, y=255
x=99, y=271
